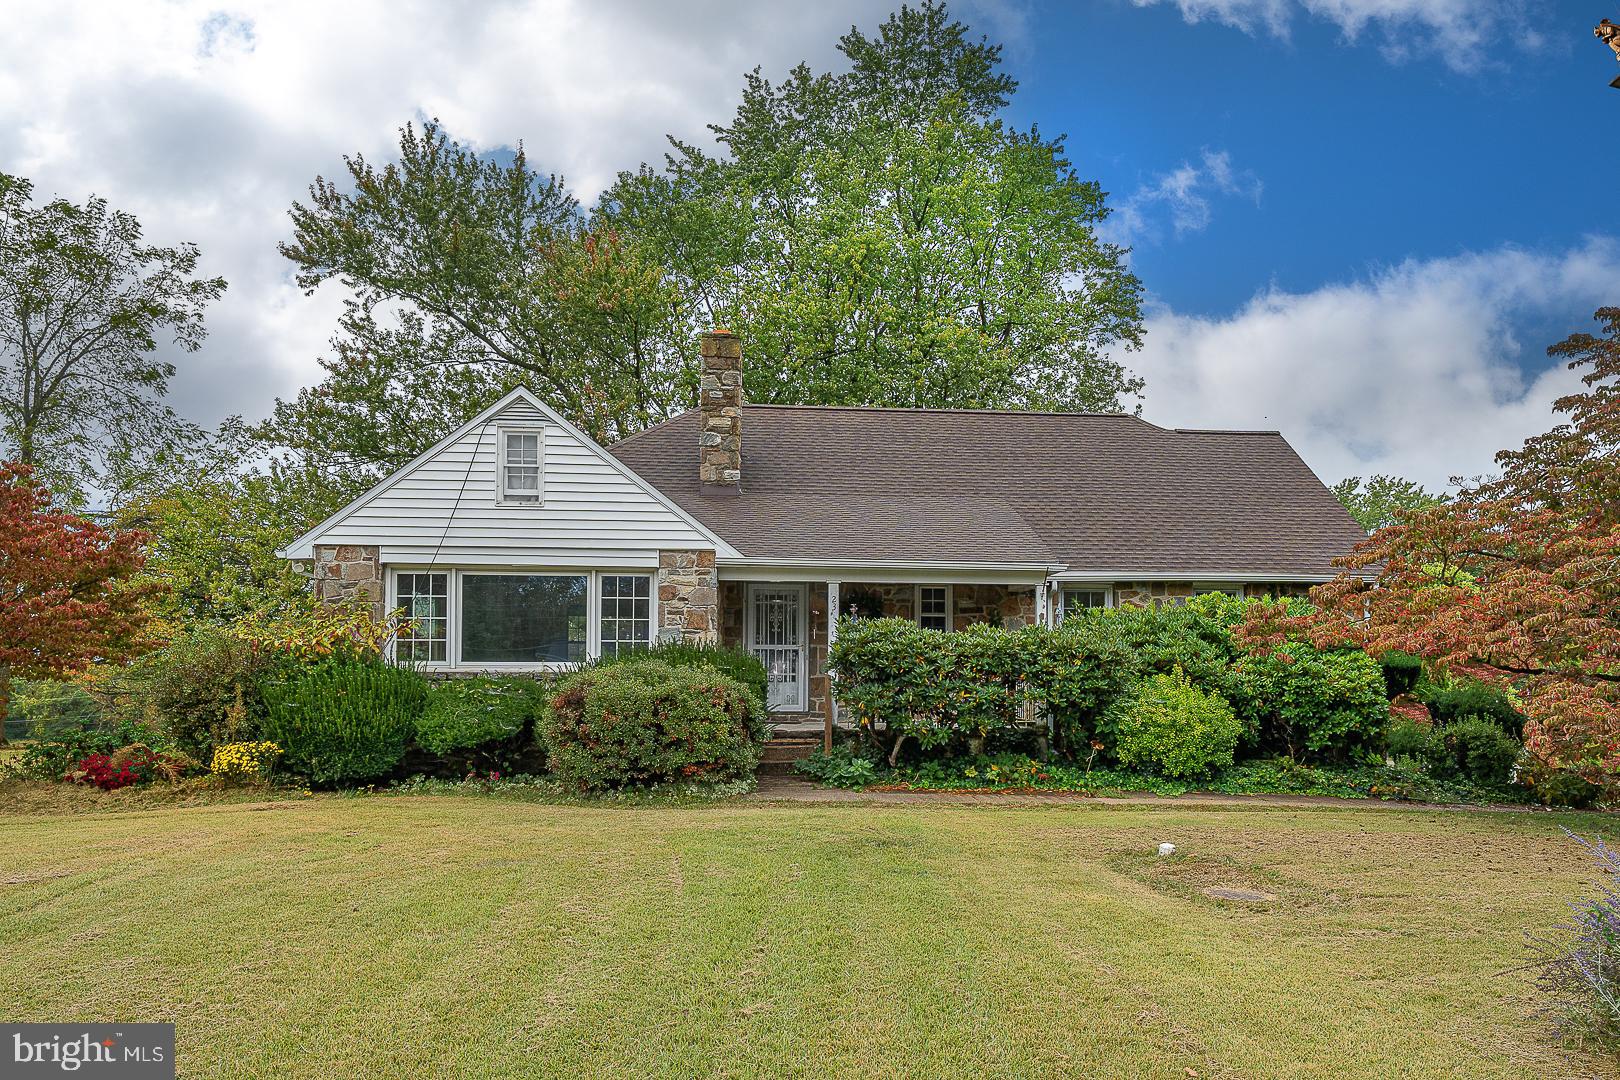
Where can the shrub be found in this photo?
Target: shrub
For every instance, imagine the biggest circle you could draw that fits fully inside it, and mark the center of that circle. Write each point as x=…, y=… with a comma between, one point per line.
x=894, y=673
x=249, y=761
x=1407, y=738
x=133, y=764
x=1171, y=727
x=847, y=765
x=1469, y=698
x=739, y=664
x=648, y=722
x=53, y=758
x=47, y=706
x=1075, y=671
x=202, y=689
x=1195, y=637
x=1317, y=705
x=345, y=719
x=1401, y=673
x=1555, y=787
x=477, y=714
x=1476, y=748
x=1579, y=959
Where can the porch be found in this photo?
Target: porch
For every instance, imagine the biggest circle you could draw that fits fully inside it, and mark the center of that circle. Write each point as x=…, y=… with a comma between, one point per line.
x=786, y=624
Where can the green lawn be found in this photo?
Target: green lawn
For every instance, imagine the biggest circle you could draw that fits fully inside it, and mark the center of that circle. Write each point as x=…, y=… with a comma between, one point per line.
x=445, y=936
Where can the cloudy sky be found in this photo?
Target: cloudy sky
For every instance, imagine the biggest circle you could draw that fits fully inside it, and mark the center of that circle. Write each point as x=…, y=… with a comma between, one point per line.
x=1360, y=221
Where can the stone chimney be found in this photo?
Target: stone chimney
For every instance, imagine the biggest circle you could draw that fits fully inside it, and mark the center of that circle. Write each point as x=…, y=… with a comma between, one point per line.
x=720, y=399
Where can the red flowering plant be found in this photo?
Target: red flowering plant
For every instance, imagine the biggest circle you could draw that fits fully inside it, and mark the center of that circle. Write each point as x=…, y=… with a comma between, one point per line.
x=1513, y=581
x=133, y=764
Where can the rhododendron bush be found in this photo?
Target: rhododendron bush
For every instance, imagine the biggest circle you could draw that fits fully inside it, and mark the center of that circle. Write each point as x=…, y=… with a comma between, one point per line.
x=1515, y=581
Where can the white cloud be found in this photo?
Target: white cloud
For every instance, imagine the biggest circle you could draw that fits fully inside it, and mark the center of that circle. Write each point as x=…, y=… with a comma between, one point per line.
x=207, y=118
x=1467, y=34
x=1412, y=371
x=1184, y=193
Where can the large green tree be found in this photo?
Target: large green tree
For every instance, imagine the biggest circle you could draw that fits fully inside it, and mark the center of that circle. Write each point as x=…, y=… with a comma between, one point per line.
x=470, y=274
x=1379, y=500
x=882, y=236
x=84, y=305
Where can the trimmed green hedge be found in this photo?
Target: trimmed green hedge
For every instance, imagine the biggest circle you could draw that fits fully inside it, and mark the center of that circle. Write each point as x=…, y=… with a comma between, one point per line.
x=941, y=689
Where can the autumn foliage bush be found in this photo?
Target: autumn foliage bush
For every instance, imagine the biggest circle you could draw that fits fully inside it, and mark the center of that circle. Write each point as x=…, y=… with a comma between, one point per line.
x=646, y=722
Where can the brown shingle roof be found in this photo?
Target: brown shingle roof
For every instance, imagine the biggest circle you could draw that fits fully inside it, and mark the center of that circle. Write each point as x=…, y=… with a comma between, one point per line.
x=1096, y=492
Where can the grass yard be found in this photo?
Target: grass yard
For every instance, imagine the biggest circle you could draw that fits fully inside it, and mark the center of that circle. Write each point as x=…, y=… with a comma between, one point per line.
x=440, y=936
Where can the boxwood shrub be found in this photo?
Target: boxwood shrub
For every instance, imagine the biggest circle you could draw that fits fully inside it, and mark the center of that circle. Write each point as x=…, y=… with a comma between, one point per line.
x=344, y=720
x=481, y=722
x=645, y=722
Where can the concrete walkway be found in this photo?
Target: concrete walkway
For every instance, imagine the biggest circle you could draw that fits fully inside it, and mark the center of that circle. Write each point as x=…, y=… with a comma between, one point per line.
x=794, y=789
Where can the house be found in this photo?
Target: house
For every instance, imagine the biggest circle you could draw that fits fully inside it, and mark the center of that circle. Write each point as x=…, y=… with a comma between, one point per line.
x=518, y=543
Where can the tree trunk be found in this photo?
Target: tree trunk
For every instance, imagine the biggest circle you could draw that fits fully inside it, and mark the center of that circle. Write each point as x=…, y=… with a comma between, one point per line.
x=5, y=699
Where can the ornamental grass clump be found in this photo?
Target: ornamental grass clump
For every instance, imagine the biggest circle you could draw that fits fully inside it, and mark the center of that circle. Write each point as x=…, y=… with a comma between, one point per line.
x=1579, y=960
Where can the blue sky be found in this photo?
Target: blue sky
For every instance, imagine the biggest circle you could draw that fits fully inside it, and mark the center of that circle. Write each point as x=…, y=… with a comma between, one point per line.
x=1362, y=160
x=1359, y=221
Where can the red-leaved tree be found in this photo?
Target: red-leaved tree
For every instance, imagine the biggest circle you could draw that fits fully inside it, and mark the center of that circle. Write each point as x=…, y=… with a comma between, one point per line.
x=65, y=596
x=1517, y=580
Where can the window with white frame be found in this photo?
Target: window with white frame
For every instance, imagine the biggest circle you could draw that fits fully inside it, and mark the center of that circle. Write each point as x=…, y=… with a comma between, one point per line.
x=424, y=600
x=1073, y=600
x=934, y=607
x=626, y=613
x=524, y=618
x=1201, y=588
x=520, y=466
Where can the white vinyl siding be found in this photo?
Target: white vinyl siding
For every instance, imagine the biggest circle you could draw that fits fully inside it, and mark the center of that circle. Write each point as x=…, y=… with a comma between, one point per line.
x=448, y=509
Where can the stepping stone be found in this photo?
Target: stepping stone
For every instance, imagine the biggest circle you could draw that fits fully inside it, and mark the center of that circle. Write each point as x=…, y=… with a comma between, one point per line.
x=1248, y=896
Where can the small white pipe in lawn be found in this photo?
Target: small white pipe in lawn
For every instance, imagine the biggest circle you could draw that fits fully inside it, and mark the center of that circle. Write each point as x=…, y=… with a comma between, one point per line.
x=1166, y=850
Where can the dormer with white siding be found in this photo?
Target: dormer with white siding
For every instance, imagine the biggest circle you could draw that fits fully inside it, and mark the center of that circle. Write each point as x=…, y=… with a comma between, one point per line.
x=517, y=542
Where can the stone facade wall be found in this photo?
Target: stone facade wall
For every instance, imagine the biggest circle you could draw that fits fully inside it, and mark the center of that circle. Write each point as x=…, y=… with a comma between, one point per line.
x=1007, y=606
x=350, y=574
x=688, y=597
x=1276, y=588
x=720, y=398
x=1142, y=593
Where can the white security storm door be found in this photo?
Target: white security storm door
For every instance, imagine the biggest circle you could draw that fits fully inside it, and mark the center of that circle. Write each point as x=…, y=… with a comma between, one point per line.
x=776, y=633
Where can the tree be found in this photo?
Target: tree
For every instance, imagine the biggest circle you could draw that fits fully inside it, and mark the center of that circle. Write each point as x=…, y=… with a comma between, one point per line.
x=65, y=593
x=1381, y=499
x=881, y=237
x=83, y=303
x=1513, y=580
x=470, y=275
x=215, y=526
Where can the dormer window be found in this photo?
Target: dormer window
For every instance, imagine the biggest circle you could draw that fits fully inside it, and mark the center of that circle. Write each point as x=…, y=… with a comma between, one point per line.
x=520, y=466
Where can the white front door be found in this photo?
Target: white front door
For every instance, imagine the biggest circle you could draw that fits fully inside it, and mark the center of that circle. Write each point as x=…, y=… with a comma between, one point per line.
x=776, y=633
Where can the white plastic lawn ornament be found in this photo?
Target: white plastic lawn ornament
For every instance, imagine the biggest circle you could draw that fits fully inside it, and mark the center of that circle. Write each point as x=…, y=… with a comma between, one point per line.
x=1166, y=850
